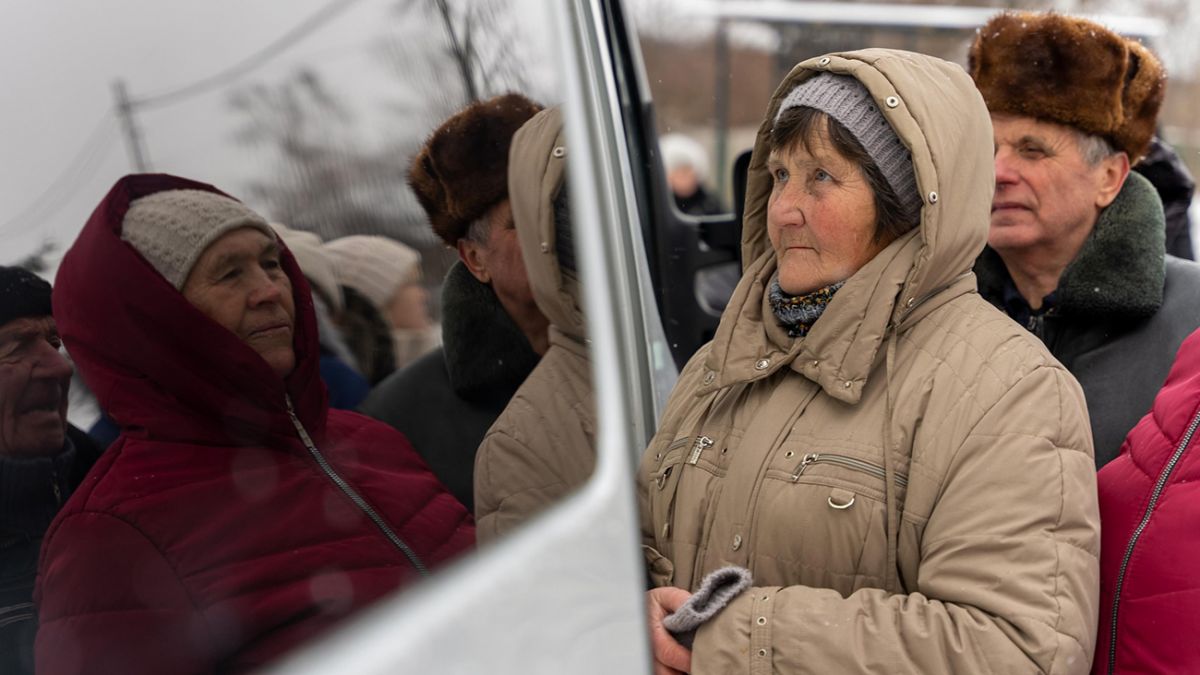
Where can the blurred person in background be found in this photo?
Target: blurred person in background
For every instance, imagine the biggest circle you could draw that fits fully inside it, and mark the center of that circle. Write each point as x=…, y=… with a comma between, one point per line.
x=905, y=473
x=687, y=174
x=347, y=387
x=493, y=332
x=237, y=516
x=1175, y=185
x=388, y=274
x=367, y=334
x=543, y=445
x=686, y=164
x=43, y=459
x=1076, y=250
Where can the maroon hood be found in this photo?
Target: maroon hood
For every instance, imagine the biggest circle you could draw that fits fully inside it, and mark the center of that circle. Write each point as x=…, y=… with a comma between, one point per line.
x=157, y=365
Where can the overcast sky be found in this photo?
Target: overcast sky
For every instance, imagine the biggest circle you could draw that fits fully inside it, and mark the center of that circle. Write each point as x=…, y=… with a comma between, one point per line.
x=58, y=60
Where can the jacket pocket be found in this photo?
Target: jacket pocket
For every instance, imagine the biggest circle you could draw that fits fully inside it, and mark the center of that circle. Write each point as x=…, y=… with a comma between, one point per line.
x=663, y=484
x=827, y=520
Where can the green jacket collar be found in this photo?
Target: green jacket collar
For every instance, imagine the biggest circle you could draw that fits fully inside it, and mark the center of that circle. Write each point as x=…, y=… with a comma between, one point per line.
x=1120, y=271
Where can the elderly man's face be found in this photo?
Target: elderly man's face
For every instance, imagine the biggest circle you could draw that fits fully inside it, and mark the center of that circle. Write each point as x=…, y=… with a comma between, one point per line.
x=34, y=378
x=239, y=283
x=1046, y=192
x=499, y=263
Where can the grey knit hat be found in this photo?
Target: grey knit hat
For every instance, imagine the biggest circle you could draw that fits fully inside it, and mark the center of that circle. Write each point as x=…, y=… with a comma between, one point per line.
x=847, y=100
x=172, y=228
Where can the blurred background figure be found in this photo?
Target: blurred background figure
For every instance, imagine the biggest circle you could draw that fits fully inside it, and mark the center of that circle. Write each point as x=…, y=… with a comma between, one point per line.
x=388, y=274
x=339, y=368
x=687, y=173
x=42, y=458
x=1175, y=185
x=367, y=334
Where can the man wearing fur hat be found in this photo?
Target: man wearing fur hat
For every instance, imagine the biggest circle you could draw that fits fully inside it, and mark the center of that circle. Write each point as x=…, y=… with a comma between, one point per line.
x=42, y=457
x=492, y=329
x=1076, y=245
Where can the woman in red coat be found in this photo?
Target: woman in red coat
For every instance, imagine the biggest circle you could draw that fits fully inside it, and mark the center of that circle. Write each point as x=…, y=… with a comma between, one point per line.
x=1150, y=514
x=236, y=516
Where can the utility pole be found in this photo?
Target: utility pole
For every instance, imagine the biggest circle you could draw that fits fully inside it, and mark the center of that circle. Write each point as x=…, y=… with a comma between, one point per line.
x=133, y=136
x=721, y=99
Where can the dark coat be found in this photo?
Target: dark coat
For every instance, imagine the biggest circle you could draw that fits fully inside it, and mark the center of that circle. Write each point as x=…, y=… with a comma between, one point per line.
x=1170, y=176
x=1121, y=310
x=31, y=493
x=445, y=401
x=1150, y=505
x=237, y=516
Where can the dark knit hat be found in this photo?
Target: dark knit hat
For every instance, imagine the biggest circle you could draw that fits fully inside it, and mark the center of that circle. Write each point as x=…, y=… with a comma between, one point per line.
x=172, y=228
x=848, y=101
x=23, y=294
x=462, y=170
x=1070, y=71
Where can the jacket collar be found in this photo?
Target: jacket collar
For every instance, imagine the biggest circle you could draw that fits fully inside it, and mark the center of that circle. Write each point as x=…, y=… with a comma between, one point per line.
x=160, y=367
x=485, y=351
x=1121, y=270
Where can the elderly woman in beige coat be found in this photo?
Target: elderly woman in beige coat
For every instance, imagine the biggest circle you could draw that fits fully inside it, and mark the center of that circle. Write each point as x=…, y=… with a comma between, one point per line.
x=906, y=473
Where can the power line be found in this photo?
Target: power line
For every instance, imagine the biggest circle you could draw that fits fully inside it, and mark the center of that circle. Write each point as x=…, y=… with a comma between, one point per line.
x=81, y=167
x=301, y=31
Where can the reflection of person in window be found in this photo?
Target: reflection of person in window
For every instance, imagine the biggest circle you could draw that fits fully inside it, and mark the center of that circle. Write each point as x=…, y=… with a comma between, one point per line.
x=236, y=516
x=906, y=473
x=687, y=173
x=542, y=445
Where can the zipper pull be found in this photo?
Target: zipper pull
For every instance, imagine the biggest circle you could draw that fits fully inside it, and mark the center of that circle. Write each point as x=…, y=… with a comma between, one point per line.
x=54, y=486
x=808, y=459
x=701, y=444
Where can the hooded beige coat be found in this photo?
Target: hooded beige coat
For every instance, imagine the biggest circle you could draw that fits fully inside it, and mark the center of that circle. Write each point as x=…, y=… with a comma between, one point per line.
x=911, y=484
x=543, y=444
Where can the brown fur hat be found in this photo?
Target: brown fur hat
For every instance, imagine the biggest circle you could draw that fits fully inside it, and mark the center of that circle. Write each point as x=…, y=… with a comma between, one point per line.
x=1071, y=71
x=462, y=170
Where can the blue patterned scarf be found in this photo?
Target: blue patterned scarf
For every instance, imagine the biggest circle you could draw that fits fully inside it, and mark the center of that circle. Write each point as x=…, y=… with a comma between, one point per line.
x=798, y=313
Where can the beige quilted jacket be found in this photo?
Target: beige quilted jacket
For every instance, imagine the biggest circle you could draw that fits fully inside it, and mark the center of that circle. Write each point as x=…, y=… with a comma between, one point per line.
x=912, y=484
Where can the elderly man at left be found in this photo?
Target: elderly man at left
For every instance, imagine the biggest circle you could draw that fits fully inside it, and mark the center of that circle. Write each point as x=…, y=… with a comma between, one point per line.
x=42, y=458
x=236, y=516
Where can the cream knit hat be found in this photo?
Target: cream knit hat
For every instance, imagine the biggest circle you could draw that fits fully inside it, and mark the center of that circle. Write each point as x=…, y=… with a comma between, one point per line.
x=373, y=266
x=172, y=228
x=314, y=261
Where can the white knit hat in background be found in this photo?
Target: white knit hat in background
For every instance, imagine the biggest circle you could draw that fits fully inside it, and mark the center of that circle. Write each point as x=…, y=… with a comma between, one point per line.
x=683, y=151
x=172, y=228
x=374, y=266
x=315, y=262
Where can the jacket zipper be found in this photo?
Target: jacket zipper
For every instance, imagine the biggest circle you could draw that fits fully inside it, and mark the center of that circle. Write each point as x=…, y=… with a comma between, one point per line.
x=352, y=494
x=1137, y=533
x=54, y=486
x=701, y=444
x=847, y=462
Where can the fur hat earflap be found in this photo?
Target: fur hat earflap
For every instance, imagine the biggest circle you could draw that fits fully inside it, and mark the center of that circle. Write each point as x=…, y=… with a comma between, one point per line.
x=1071, y=71
x=462, y=170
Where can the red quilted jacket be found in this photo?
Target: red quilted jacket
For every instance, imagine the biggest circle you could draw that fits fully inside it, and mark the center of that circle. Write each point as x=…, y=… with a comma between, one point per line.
x=1150, y=515
x=237, y=516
